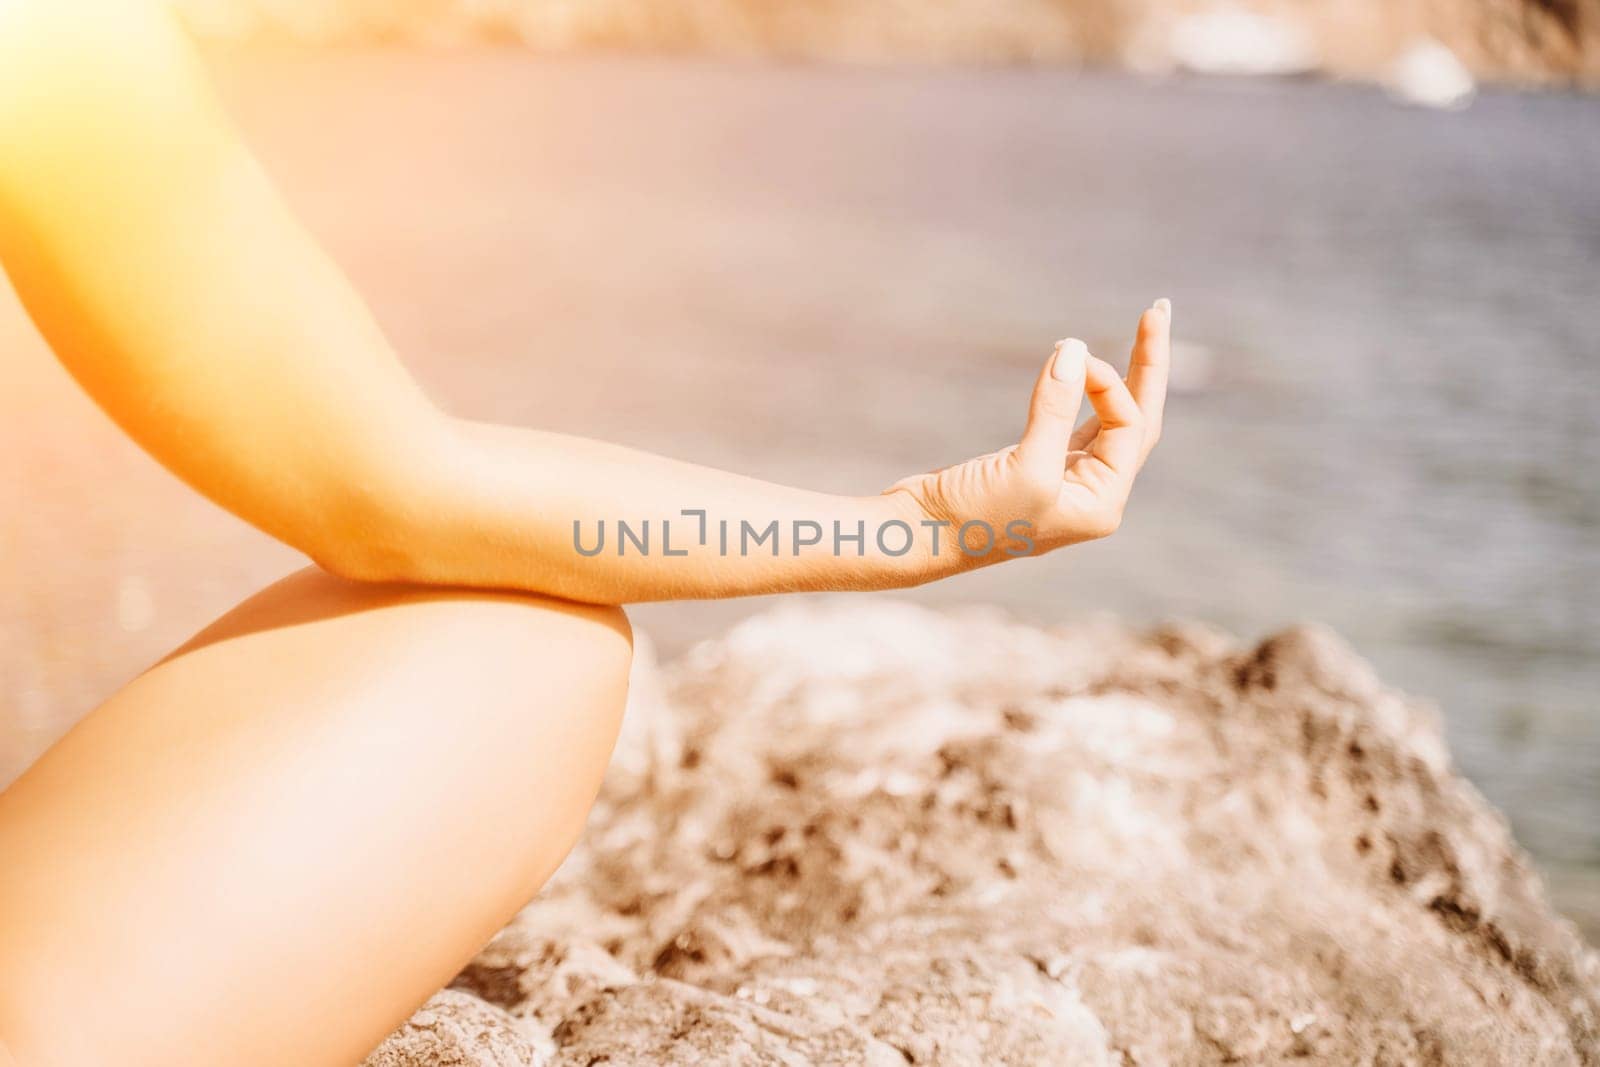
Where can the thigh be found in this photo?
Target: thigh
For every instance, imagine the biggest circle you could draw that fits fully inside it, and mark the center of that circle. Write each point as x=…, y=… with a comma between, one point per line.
x=269, y=848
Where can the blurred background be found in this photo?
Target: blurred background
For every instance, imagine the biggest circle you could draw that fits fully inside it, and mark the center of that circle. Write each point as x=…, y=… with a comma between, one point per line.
x=830, y=243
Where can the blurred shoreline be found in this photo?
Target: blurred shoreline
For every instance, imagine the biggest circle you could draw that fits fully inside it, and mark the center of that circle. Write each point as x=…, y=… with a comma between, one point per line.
x=1422, y=42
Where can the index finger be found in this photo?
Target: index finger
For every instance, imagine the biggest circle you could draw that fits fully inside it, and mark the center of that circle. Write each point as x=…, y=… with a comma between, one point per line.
x=1117, y=445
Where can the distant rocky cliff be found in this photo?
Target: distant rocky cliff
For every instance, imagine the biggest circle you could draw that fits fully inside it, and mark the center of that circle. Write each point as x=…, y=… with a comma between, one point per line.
x=864, y=833
x=1519, y=41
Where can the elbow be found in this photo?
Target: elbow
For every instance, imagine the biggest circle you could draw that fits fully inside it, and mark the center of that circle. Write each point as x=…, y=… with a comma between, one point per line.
x=359, y=561
x=385, y=516
x=365, y=535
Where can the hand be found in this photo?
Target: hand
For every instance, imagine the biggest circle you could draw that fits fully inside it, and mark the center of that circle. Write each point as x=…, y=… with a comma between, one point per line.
x=1056, y=486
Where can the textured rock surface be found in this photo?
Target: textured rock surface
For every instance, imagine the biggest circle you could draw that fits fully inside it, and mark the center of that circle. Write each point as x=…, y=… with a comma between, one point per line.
x=456, y=1029
x=860, y=832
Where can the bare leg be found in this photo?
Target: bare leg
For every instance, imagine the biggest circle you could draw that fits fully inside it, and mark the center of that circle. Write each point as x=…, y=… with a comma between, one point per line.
x=274, y=845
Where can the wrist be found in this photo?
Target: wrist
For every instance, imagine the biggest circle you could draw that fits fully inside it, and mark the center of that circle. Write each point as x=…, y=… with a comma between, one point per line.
x=902, y=546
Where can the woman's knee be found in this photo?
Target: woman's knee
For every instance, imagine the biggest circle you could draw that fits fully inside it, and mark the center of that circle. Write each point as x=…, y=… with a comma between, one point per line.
x=513, y=670
x=378, y=750
x=472, y=627
x=527, y=639
x=531, y=641
x=503, y=680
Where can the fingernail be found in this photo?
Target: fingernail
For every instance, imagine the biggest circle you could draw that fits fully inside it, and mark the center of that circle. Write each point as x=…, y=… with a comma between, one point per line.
x=1165, y=307
x=1070, y=356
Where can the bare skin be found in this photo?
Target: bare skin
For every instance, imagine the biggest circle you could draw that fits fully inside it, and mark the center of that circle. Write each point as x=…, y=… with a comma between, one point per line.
x=271, y=847
x=353, y=779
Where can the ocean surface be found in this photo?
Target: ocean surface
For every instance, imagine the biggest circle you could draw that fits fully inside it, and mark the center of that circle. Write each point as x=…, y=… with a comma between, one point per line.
x=1389, y=375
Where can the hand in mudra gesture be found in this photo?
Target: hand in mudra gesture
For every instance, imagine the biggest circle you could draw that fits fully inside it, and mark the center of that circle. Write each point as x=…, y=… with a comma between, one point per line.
x=1058, y=486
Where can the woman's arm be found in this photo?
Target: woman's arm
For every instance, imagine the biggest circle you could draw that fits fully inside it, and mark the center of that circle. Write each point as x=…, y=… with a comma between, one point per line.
x=173, y=283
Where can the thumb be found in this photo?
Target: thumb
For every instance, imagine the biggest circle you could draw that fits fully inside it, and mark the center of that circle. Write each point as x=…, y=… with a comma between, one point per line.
x=1057, y=396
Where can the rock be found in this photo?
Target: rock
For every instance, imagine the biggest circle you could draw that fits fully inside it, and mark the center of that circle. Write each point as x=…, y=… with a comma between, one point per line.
x=861, y=832
x=1427, y=74
x=456, y=1029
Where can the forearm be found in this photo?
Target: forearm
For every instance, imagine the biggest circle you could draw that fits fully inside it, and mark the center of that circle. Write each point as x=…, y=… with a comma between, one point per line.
x=173, y=282
x=597, y=522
